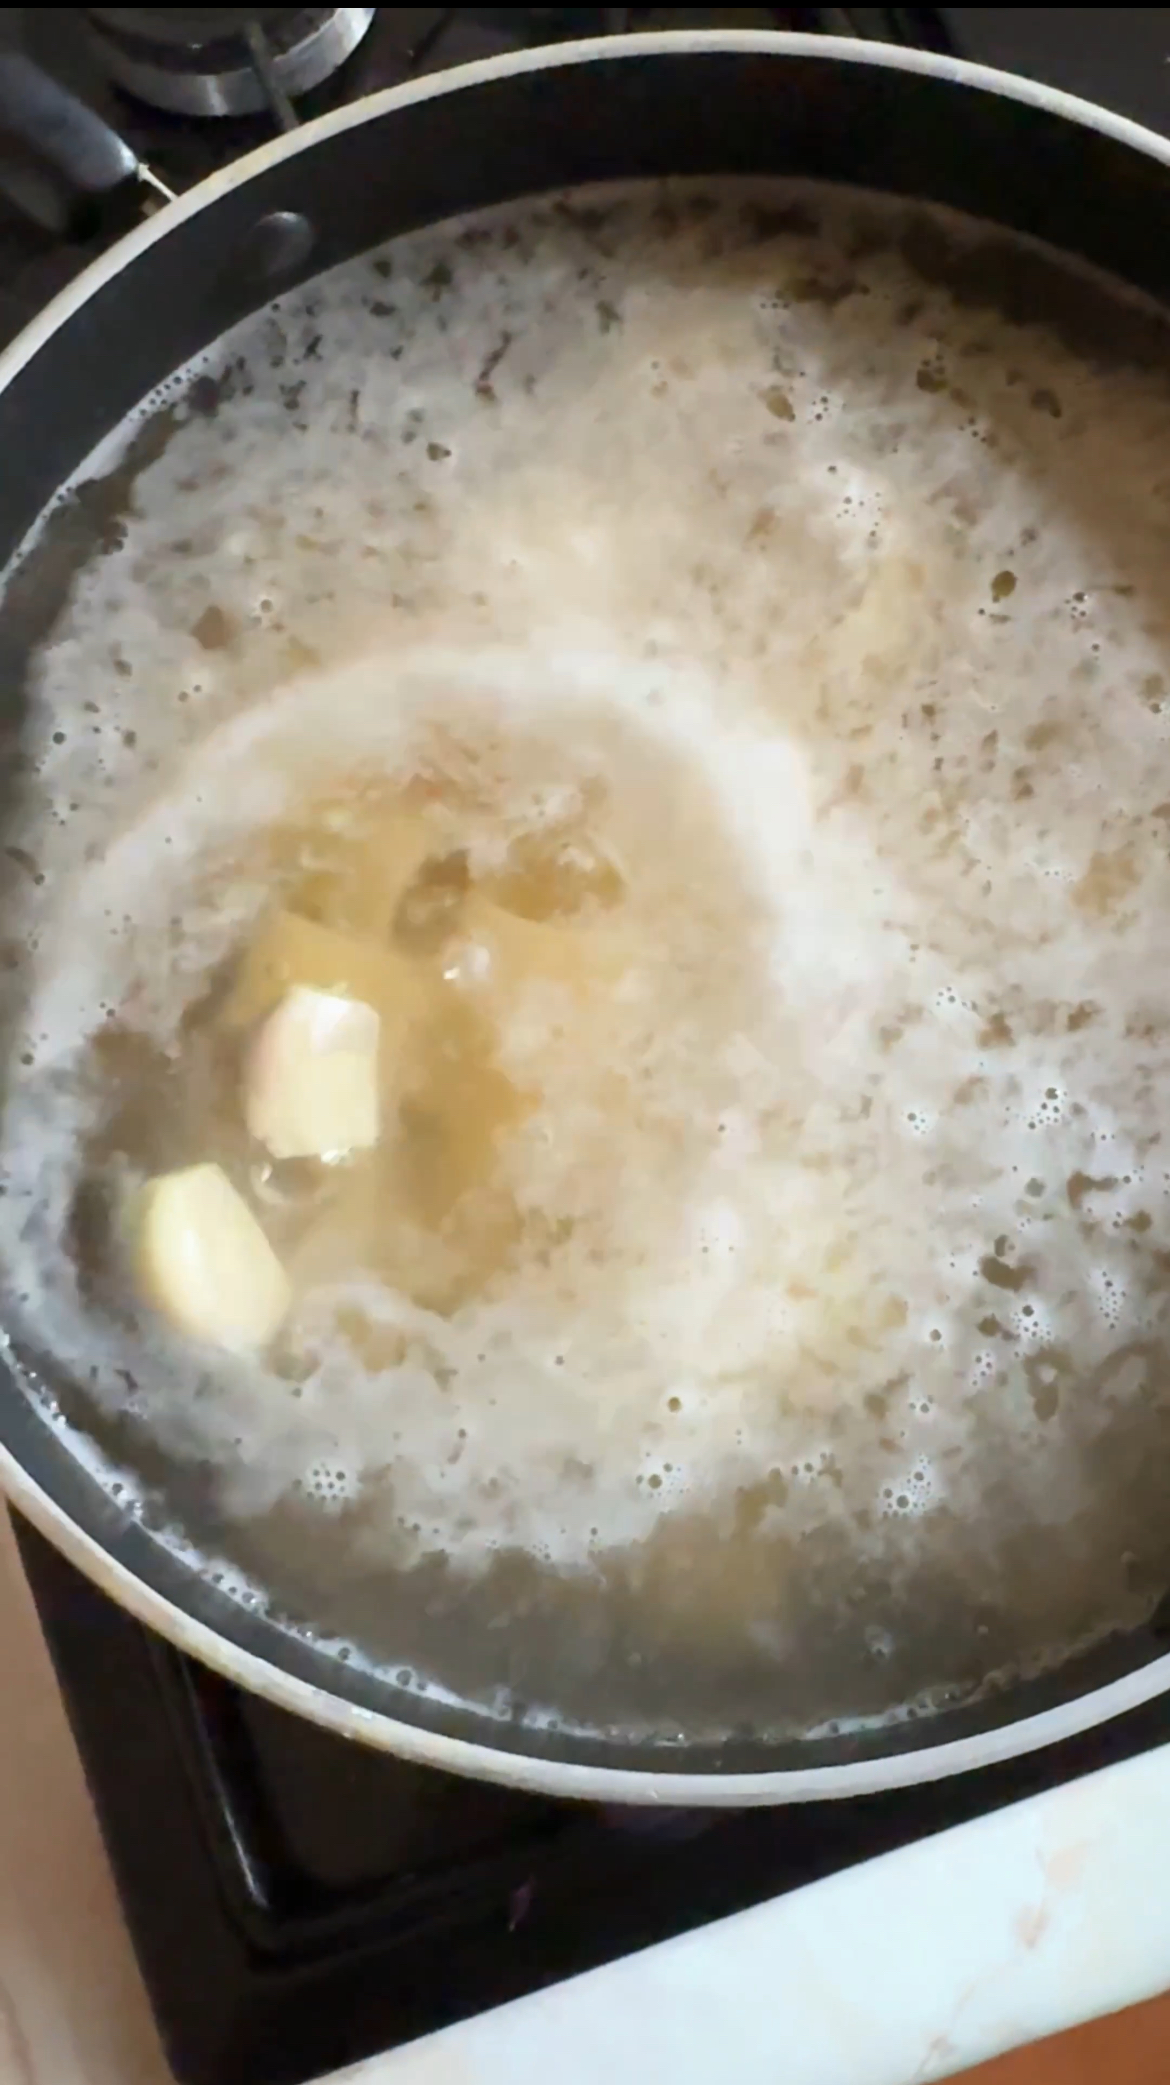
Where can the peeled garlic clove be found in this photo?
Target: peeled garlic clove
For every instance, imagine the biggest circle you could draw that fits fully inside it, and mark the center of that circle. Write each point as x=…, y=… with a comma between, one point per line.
x=202, y=1259
x=312, y=1079
x=289, y=951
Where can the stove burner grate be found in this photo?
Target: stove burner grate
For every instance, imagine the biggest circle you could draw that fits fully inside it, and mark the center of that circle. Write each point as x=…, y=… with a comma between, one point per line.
x=224, y=61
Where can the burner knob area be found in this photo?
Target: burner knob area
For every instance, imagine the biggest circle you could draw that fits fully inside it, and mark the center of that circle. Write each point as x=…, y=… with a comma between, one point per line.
x=224, y=61
x=191, y=27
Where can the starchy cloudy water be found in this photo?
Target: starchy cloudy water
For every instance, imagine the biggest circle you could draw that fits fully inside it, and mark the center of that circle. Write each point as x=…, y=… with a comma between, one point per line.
x=831, y=604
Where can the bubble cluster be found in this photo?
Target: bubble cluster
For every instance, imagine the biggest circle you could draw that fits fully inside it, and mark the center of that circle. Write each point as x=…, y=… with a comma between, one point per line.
x=875, y=636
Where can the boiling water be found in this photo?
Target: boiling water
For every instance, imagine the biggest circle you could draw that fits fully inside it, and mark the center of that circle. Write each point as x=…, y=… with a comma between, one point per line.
x=774, y=633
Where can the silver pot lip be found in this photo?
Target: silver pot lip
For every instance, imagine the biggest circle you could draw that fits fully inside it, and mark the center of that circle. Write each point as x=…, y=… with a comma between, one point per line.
x=260, y=1676
x=645, y=1786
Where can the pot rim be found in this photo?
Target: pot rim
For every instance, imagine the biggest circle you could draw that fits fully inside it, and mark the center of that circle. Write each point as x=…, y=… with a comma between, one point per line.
x=196, y=1639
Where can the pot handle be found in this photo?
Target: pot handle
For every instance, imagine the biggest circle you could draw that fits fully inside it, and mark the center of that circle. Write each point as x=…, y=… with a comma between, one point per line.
x=68, y=159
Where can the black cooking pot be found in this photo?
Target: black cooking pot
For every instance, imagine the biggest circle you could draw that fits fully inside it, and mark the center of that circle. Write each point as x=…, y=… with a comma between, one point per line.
x=705, y=104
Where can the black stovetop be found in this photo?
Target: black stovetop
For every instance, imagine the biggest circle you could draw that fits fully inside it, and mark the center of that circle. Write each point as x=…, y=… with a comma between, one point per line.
x=297, y=1902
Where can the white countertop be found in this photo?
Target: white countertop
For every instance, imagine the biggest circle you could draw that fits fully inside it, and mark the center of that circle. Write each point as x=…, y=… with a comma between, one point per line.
x=902, y=1971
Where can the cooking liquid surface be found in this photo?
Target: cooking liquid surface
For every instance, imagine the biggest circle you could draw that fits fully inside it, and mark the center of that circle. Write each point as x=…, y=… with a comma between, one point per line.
x=699, y=671
x=521, y=985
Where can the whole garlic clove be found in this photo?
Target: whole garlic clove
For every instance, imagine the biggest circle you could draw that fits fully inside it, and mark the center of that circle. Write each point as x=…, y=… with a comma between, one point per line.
x=311, y=1088
x=202, y=1259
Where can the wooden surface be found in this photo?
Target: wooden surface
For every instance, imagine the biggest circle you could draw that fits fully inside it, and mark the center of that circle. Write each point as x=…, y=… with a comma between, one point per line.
x=72, y=2007
x=1130, y=2048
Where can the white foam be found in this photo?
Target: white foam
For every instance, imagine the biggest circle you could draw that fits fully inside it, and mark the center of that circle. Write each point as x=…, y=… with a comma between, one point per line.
x=782, y=632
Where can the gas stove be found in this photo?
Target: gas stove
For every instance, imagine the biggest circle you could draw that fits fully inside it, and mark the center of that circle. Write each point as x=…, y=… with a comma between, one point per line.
x=191, y=89
x=298, y=1903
